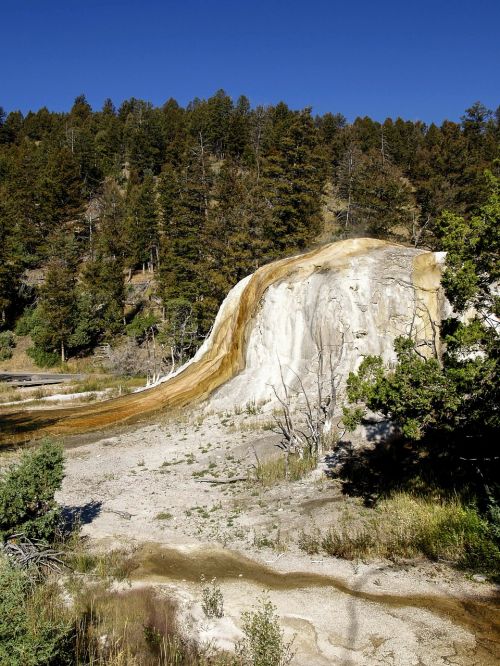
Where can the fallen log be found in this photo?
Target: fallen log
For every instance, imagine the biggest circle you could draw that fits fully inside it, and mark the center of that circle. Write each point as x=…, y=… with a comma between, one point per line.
x=235, y=479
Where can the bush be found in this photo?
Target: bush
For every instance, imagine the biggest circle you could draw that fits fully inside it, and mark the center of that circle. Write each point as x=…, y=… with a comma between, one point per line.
x=42, y=358
x=263, y=644
x=27, y=493
x=35, y=627
x=7, y=343
x=126, y=359
x=26, y=322
x=212, y=600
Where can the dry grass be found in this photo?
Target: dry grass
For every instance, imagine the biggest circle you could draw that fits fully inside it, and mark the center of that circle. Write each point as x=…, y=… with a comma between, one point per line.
x=100, y=382
x=106, y=625
x=273, y=470
x=136, y=627
x=114, y=564
x=408, y=526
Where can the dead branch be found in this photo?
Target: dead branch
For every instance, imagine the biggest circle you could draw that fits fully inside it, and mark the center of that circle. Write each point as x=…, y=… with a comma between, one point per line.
x=234, y=479
x=32, y=554
x=305, y=431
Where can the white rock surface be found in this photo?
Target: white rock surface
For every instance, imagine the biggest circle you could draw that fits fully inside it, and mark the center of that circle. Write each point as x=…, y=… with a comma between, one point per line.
x=350, y=311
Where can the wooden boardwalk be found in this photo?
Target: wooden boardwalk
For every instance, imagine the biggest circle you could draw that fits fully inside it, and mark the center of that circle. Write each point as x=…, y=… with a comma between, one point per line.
x=20, y=379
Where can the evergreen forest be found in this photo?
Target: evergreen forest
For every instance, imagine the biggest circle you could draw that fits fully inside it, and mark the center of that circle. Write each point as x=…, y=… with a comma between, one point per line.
x=196, y=198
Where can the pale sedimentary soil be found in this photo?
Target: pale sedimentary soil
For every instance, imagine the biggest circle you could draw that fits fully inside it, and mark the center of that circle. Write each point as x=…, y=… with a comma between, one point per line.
x=246, y=535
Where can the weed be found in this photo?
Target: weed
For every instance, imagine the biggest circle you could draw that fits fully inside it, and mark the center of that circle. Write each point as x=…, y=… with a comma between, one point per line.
x=212, y=601
x=310, y=543
x=409, y=526
x=262, y=541
x=163, y=515
x=252, y=409
x=264, y=643
x=273, y=470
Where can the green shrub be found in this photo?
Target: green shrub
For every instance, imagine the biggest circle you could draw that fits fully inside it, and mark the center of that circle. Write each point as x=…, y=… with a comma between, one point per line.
x=26, y=322
x=7, y=343
x=27, y=493
x=35, y=627
x=42, y=358
x=264, y=644
x=212, y=601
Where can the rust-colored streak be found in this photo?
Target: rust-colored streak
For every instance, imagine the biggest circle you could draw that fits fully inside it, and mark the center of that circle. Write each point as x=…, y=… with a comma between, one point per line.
x=223, y=359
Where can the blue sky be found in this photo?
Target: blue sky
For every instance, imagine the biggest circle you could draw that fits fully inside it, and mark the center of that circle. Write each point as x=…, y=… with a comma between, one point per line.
x=419, y=60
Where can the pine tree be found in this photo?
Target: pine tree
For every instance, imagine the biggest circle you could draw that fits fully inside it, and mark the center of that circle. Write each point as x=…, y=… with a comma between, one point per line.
x=181, y=241
x=293, y=179
x=57, y=311
x=142, y=225
x=101, y=300
x=384, y=201
x=110, y=241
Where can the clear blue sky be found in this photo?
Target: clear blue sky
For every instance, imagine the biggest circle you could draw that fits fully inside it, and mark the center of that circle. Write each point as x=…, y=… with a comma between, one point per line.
x=418, y=59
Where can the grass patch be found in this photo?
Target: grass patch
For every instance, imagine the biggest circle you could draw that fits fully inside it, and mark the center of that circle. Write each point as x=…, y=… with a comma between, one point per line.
x=114, y=564
x=408, y=526
x=133, y=627
x=164, y=515
x=86, y=622
x=101, y=382
x=273, y=470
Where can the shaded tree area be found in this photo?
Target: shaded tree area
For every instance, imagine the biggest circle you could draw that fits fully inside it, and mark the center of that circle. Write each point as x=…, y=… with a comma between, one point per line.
x=445, y=407
x=198, y=197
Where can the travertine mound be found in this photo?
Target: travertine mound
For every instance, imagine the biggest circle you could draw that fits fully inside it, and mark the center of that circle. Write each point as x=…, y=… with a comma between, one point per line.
x=362, y=292
x=351, y=299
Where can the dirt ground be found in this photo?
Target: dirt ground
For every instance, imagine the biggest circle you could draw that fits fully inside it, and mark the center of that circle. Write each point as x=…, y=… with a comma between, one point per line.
x=146, y=489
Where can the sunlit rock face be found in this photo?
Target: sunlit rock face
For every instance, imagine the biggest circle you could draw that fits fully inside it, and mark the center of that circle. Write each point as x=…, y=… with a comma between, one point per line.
x=349, y=305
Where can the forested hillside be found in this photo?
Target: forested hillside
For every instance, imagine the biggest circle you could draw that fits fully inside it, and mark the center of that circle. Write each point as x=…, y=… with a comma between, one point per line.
x=199, y=197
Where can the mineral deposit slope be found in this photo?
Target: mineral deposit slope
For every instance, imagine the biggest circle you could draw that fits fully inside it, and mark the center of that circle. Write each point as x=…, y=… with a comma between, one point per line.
x=400, y=274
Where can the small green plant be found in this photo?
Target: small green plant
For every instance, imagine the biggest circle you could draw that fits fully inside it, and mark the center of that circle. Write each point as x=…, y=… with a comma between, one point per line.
x=212, y=601
x=6, y=345
x=264, y=643
x=310, y=542
x=164, y=515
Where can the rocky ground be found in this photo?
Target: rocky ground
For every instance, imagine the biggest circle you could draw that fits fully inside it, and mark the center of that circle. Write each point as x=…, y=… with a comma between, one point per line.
x=150, y=489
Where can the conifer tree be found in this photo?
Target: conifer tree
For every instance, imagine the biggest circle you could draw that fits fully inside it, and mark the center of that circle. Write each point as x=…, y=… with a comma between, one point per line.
x=142, y=225
x=294, y=176
x=110, y=239
x=57, y=311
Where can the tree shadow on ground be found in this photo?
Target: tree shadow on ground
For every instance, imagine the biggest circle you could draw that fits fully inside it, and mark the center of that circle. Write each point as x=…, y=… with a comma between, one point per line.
x=76, y=516
x=383, y=467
